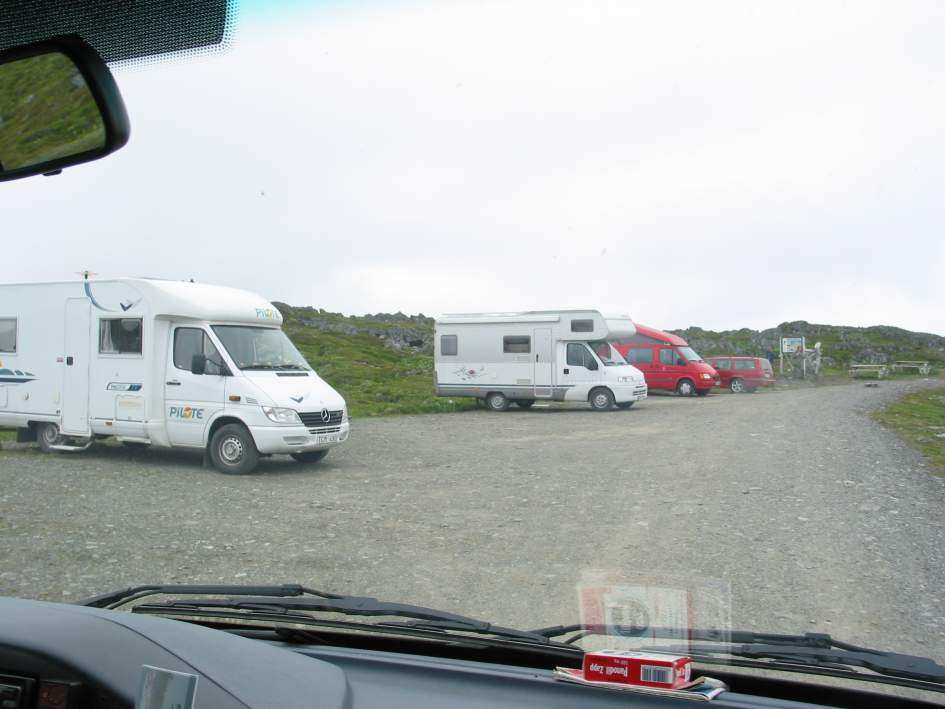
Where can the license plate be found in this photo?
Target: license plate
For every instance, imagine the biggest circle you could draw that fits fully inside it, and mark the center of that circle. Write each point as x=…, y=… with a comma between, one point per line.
x=326, y=438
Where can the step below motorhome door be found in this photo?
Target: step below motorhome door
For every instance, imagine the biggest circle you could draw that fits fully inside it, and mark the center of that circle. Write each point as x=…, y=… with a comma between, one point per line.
x=544, y=363
x=75, y=367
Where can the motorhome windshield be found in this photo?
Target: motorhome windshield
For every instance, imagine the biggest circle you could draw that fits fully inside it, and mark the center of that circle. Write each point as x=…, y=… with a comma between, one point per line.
x=259, y=347
x=609, y=356
x=690, y=354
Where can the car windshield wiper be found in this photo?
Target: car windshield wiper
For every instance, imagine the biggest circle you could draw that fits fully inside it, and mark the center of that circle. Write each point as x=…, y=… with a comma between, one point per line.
x=817, y=650
x=123, y=596
x=464, y=627
x=292, y=600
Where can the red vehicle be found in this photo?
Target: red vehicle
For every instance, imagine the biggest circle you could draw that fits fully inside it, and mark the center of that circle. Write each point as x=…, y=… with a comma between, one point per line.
x=743, y=373
x=668, y=362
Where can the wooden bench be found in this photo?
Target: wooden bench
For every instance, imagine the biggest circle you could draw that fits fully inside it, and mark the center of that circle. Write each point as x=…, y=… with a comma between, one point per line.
x=923, y=368
x=877, y=370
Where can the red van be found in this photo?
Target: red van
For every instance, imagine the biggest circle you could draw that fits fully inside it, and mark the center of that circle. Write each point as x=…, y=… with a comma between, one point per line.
x=668, y=362
x=743, y=373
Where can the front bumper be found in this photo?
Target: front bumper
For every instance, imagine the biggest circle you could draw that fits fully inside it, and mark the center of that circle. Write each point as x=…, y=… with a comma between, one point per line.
x=296, y=439
x=629, y=392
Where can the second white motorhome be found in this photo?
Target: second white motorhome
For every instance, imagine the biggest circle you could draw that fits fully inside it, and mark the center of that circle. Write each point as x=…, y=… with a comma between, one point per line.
x=161, y=363
x=521, y=358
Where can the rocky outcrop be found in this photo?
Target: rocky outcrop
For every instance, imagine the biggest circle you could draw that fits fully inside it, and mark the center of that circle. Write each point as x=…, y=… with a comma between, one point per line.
x=878, y=344
x=841, y=344
x=397, y=330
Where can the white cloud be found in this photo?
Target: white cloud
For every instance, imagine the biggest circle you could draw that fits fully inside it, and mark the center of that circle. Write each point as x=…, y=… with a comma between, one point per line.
x=689, y=163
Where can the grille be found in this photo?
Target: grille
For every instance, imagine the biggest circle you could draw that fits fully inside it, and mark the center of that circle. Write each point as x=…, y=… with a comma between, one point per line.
x=640, y=390
x=328, y=429
x=314, y=418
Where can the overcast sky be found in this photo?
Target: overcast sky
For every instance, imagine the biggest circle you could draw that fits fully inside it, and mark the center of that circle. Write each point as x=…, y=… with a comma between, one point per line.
x=713, y=164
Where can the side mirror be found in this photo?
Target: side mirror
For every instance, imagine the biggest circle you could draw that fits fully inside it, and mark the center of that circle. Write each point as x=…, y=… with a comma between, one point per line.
x=59, y=106
x=198, y=364
x=591, y=364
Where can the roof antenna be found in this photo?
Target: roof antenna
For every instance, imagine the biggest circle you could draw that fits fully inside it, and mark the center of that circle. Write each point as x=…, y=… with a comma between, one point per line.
x=85, y=274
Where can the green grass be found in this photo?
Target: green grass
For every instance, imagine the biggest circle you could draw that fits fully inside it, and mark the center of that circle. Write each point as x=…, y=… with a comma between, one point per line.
x=374, y=379
x=919, y=419
x=7, y=434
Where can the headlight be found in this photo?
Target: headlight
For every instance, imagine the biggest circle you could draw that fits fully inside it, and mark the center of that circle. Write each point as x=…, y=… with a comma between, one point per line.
x=278, y=415
x=706, y=375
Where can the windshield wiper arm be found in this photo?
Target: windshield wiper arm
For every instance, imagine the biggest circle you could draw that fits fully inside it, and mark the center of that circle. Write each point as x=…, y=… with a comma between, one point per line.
x=488, y=629
x=114, y=599
x=347, y=605
x=291, y=599
x=814, y=649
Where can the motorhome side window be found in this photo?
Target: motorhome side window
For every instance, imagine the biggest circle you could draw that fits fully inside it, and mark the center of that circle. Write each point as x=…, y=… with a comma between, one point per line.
x=517, y=344
x=8, y=335
x=640, y=356
x=189, y=341
x=119, y=336
x=575, y=355
x=582, y=326
x=449, y=345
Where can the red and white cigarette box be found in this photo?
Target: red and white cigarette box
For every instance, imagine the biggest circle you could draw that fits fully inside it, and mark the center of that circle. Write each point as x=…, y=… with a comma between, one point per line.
x=646, y=669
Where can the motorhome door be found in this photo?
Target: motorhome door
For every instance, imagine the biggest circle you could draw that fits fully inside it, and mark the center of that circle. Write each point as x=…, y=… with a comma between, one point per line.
x=544, y=362
x=75, y=367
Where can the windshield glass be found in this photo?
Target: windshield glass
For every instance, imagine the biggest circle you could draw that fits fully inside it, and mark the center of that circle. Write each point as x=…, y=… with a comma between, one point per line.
x=259, y=347
x=444, y=200
x=607, y=353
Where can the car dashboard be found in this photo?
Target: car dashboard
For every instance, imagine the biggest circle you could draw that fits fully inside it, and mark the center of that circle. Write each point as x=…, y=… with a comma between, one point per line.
x=70, y=657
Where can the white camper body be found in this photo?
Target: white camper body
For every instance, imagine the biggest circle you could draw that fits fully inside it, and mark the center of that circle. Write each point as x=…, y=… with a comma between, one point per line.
x=115, y=358
x=561, y=355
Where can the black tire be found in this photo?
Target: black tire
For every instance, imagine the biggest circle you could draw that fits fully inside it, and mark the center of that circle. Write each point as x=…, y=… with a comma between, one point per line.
x=601, y=399
x=625, y=404
x=737, y=385
x=309, y=457
x=47, y=435
x=524, y=403
x=233, y=451
x=686, y=387
x=497, y=401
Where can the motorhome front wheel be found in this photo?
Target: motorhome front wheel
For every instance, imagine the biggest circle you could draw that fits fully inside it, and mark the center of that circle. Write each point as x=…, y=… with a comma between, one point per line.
x=233, y=450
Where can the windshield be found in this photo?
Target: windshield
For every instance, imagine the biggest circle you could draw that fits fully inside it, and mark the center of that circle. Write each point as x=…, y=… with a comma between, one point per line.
x=607, y=353
x=444, y=200
x=259, y=347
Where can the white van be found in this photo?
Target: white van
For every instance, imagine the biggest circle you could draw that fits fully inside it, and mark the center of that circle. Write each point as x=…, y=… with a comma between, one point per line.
x=161, y=363
x=556, y=355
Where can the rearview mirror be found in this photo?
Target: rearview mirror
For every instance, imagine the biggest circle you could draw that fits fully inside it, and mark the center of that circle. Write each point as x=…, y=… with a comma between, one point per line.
x=59, y=106
x=198, y=364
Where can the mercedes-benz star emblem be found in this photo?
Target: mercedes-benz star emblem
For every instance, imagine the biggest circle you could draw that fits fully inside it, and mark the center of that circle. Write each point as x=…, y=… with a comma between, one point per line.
x=326, y=415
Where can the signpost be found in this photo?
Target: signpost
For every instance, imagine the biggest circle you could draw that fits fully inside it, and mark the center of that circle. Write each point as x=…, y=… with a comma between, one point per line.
x=790, y=346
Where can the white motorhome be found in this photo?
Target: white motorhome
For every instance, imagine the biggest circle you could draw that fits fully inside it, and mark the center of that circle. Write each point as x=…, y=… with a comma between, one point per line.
x=521, y=358
x=160, y=363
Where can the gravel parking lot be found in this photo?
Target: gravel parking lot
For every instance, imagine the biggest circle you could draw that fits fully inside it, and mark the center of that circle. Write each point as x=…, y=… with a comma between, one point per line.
x=817, y=517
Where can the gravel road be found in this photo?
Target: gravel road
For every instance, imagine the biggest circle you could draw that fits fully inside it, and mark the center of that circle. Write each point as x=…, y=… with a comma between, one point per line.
x=816, y=517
